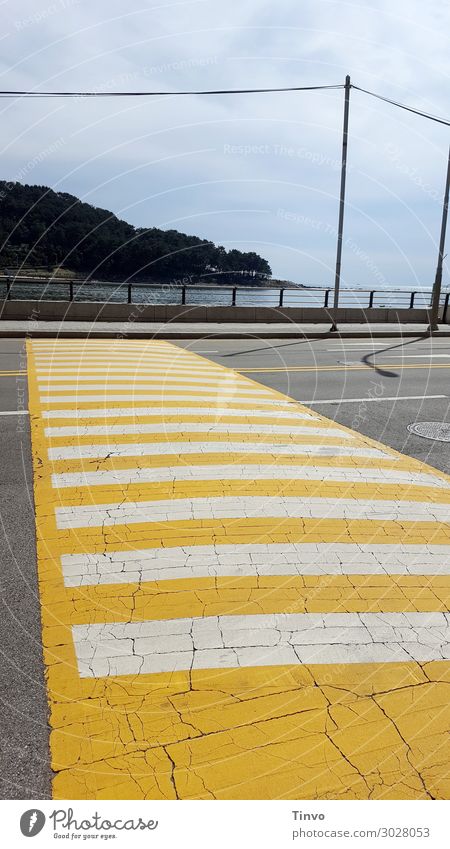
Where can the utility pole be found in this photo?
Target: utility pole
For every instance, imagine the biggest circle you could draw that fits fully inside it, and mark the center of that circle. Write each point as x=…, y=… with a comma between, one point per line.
x=436, y=297
x=337, y=277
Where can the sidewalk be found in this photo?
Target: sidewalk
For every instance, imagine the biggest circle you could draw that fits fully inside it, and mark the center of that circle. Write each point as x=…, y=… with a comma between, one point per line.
x=193, y=330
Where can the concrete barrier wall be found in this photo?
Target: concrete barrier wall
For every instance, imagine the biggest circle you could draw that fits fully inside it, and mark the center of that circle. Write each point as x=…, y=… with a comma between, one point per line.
x=92, y=311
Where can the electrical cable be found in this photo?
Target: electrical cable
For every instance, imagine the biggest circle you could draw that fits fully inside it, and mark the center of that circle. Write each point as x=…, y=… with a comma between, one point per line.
x=225, y=91
x=162, y=93
x=403, y=106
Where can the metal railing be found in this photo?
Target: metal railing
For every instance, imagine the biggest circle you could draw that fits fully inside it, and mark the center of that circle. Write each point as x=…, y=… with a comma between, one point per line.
x=39, y=288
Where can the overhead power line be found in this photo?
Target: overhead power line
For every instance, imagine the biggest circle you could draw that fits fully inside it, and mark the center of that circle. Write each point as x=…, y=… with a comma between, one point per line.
x=163, y=93
x=403, y=106
x=220, y=91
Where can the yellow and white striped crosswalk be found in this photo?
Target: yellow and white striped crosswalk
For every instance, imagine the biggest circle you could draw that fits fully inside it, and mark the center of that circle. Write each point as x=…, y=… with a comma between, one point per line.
x=240, y=598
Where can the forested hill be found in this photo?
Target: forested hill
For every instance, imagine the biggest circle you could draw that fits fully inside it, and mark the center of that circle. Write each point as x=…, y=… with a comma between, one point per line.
x=40, y=227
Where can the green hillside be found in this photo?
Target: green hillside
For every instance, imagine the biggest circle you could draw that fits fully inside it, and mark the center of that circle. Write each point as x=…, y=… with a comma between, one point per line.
x=40, y=227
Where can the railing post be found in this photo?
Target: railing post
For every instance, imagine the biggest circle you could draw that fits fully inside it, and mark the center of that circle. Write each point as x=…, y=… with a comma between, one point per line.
x=183, y=294
x=70, y=291
x=129, y=293
x=445, y=310
x=233, y=297
x=371, y=297
x=281, y=298
x=327, y=296
x=411, y=300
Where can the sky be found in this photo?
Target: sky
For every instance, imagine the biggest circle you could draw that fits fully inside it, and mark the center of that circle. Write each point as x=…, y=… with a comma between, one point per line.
x=254, y=172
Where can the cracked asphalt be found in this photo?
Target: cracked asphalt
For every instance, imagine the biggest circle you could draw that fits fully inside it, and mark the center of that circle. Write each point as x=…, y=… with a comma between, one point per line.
x=237, y=602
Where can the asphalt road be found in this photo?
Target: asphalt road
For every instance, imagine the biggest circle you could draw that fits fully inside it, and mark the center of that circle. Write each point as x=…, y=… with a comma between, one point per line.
x=24, y=754
x=377, y=388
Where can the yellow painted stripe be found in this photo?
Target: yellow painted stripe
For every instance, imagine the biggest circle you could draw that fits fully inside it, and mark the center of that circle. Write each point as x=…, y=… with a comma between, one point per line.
x=232, y=531
x=231, y=459
x=201, y=438
x=244, y=596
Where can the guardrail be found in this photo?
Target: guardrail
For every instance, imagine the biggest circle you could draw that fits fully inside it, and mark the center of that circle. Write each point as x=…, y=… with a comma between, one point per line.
x=27, y=288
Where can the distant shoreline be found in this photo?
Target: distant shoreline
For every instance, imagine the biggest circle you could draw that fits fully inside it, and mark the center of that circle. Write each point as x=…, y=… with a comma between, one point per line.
x=64, y=275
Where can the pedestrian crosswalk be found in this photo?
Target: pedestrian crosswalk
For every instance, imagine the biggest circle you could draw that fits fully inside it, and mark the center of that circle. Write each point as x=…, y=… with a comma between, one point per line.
x=240, y=598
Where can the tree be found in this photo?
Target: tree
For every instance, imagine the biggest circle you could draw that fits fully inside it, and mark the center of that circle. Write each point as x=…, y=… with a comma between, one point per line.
x=39, y=226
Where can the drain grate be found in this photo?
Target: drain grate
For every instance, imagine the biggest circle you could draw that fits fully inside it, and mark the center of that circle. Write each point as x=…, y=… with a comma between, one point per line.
x=439, y=431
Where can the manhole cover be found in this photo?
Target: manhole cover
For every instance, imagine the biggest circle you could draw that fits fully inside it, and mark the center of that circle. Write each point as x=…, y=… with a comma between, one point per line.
x=431, y=430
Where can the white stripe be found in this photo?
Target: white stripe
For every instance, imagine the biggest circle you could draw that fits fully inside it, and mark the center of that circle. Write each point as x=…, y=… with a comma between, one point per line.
x=220, y=391
x=105, y=345
x=247, y=560
x=145, y=449
x=355, y=346
x=415, y=356
x=133, y=396
x=117, y=352
x=364, y=400
x=250, y=472
x=197, y=411
x=85, y=341
x=259, y=640
x=131, y=370
x=155, y=380
x=249, y=507
x=122, y=359
x=196, y=427
x=14, y=413
x=129, y=353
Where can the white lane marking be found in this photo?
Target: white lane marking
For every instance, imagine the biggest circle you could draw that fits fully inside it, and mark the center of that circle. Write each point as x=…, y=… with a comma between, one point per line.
x=121, y=359
x=131, y=370
x=14, y=413
x=105, y=345
x=246, y=560
x=135, y=396
x=259, y=640
x=155, y=380
x=57, y=344
x=417, y=356
x=350, y=349
x=195, y=427
x=163, y=392
x=197, y=411
x=380, y=398
x=117, y=351
x=250, y=472
x=85, y=342
x=250, y=507
x=388, y=357
x=377, y=345
x=145, y=449
x=104, y=349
